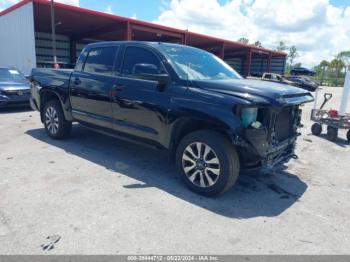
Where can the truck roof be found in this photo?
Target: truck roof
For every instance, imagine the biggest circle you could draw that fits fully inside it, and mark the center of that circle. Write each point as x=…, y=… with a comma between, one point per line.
x=154, y=44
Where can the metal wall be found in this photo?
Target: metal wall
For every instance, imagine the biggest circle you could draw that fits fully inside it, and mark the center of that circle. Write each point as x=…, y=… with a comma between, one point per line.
x=237, y=64
x=259, y=66
x=43, y=47
x=278, y=65
x=17, y=44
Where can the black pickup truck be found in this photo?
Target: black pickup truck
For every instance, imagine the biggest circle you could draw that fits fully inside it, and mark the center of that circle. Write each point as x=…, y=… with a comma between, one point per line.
x=187, y=101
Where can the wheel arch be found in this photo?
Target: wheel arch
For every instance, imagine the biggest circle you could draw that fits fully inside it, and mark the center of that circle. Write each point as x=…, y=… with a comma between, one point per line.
x=187, y=125
x=48, y=95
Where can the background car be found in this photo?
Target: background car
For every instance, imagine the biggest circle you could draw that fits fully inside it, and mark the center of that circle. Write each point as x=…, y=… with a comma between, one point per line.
x=14, y=87
x=302, y=71
x=303, y=82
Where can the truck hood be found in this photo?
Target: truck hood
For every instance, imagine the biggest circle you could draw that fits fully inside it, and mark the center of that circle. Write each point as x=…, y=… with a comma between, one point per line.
x=257, y=91
x=14, y=85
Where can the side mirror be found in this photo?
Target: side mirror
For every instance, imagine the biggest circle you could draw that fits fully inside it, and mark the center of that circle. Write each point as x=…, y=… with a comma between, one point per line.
x=151, y=72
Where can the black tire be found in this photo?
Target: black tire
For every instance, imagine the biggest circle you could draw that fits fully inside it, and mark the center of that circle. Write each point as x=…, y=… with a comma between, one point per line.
x=220, y=150
x=332, y=133
x=316, y=129
x=348, y=136
x=54, y=116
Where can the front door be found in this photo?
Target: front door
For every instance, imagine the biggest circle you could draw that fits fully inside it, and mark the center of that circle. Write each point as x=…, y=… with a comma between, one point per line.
x=139, y=106
x=91, y=84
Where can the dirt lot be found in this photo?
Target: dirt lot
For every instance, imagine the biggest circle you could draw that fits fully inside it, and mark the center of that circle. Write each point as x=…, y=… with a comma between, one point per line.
x=92, y=194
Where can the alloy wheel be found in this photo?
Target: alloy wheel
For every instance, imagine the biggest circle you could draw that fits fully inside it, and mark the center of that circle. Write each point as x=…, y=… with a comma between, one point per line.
x=201, y=164
x=51, y=120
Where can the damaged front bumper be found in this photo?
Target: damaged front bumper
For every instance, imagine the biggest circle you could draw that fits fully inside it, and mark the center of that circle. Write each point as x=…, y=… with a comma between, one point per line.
x=273, y=145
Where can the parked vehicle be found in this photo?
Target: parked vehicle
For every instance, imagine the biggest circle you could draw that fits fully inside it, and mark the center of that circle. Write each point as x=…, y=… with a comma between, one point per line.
x=303, y=82
x=272, y=77
x=185, y=100
x=14, y=88
x=298, y=81
x=302, y=71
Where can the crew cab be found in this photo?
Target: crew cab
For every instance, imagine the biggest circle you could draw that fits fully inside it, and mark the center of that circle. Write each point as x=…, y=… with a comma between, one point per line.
x=181, y=99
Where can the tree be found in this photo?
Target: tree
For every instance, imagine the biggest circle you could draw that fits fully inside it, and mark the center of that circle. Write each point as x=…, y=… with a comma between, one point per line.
x=293, y=53
x=258, y=44
x=243, y=40
x=345, y=57
x=282, y=46
x=337, y=65
x=323, y=66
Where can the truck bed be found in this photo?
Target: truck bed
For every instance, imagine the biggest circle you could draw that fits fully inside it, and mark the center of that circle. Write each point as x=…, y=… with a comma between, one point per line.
x=56, y=78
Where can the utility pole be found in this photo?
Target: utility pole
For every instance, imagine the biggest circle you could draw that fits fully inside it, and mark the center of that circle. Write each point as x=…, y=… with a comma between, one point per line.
x=53, y=31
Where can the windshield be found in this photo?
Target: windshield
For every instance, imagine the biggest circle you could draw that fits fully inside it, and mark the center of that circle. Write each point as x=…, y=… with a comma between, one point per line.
x=10, y=75
x=195, y=64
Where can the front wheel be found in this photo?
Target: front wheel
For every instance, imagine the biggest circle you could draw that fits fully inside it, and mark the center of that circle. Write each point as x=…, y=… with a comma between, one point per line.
x=348, y=136
x=208, y=162
x=54, y=121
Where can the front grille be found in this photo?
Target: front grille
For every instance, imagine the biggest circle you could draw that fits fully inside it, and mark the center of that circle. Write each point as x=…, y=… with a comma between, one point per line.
x=283, y=124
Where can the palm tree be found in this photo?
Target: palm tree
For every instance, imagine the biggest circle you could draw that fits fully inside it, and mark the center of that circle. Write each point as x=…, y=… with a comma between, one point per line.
x=345, y=57
x=323, y=66
x=337, y=65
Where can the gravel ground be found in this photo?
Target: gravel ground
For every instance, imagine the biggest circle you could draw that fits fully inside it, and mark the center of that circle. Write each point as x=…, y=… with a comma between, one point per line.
x=92, y=194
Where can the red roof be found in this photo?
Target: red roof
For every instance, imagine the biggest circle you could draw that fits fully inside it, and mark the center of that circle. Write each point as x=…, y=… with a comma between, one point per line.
x=84, y=23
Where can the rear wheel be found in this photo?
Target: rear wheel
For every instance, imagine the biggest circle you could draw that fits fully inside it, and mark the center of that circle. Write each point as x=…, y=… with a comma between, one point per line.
x=348, y=136
x=54, y=121
x=316, y=129
x=208, y=163
x=332, y=133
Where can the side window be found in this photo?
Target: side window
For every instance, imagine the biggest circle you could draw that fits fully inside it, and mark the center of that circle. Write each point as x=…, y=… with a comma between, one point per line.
x=81, y=61
x=100, y=60
x=137, y=55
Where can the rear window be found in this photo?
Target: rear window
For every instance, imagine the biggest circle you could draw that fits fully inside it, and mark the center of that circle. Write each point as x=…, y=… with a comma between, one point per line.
x=100, y=60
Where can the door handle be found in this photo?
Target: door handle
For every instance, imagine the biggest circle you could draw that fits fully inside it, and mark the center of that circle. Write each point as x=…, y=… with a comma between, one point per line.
x=77, y=81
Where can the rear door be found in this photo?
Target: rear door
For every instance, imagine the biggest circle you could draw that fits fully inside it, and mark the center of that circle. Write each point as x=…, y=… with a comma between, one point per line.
x=91, y=84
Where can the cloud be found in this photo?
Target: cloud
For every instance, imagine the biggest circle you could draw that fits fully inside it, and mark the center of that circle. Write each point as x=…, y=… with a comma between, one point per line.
x=317, y=28
x=109, y=10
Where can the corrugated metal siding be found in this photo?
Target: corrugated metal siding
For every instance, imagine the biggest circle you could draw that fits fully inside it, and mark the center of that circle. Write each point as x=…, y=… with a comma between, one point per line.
x=17, y=44
x=259, y=65
x=278, y=65
x=43, y=47
x=236, y=64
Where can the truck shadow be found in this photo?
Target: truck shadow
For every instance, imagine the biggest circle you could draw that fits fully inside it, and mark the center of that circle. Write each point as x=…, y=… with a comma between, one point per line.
x=254, y=195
